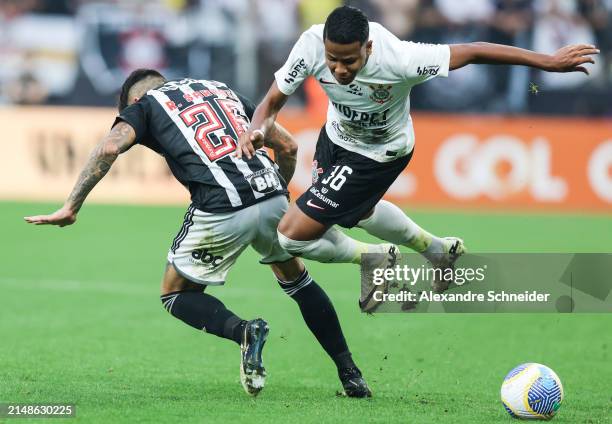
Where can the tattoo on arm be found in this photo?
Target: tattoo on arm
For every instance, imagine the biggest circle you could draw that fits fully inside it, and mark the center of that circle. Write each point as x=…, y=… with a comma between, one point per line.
x=120, y=138
x=285, y=150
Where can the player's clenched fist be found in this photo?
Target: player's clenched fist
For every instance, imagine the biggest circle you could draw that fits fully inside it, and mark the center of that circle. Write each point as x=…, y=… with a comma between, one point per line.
x=249, y=142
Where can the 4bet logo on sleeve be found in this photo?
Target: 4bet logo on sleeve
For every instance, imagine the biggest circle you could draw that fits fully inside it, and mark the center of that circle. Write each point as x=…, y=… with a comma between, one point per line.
x=298, y=67
x=431, y=70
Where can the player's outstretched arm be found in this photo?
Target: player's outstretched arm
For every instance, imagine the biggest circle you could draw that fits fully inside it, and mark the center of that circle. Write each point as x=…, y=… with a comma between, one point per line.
x=567, y=59
x=262, y=122
x=120, y=138
x=285, y=150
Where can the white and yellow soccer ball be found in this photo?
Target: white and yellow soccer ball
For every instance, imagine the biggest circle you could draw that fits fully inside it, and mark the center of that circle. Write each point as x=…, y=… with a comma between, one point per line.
x=532, y=392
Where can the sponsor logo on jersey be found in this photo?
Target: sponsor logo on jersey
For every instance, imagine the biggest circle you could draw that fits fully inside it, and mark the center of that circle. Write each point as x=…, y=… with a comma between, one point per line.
x=355, y=89
x=175, y=85
x=316, y=171
x=264, y=181
x=312, y=205
x=428, y=70
x=315, y=192
x=204, y=256
x=381, y=93
x=322, y=81
x=340, y=133
x=296, y=69
x=363, y=119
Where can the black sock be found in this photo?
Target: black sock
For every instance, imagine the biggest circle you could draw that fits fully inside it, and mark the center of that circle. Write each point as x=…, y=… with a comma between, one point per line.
x=320, y=316
x=204, y=312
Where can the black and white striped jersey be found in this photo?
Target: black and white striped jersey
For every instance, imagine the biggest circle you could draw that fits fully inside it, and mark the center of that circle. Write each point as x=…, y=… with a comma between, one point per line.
x=195, y=125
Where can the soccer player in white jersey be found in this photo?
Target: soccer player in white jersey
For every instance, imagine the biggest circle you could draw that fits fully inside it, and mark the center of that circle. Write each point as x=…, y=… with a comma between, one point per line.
x=368, y=139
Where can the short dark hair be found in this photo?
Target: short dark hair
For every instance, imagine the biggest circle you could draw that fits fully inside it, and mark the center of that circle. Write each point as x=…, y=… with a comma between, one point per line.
x=345, y=25
x=133, y=78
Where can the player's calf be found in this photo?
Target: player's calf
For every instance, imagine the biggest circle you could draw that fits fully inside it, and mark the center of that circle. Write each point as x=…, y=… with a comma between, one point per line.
x=320, y=316
x=186, y=300
x=204, y=312
x=390, y=223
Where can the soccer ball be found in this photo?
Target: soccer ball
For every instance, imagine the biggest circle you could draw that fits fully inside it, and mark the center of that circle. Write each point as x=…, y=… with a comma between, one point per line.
x=532, y=392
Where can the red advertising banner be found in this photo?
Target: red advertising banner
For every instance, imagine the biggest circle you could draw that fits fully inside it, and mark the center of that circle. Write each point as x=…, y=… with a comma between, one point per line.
x=486, y=161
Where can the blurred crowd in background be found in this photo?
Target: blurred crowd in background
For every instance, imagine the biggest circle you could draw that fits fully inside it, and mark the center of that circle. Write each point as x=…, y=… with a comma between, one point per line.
x=78, y=52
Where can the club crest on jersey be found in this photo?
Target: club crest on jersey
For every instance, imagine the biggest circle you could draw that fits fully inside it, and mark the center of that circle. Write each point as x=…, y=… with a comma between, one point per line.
x=381, y=93
x=316, y=171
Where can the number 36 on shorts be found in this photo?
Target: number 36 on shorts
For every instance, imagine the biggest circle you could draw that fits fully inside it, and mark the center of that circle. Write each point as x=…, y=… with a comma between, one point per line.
x=337, y=178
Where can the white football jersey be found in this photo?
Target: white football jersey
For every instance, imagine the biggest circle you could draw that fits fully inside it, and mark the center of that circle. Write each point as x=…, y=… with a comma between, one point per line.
x=370, y=116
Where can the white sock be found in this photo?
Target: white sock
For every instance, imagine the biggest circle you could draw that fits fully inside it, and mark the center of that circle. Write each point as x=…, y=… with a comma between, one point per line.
x=333, y=246
x=388, y=222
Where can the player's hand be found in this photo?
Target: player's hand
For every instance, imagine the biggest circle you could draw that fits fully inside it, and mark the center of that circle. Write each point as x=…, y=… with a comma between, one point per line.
x=61, y=217
x=572, y=58
x=249, y=142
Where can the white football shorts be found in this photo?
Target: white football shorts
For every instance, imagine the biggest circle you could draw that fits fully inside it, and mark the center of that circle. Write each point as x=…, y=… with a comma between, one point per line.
x=208, y=244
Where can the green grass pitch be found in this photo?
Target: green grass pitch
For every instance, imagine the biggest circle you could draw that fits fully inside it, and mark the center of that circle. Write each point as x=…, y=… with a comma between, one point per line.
x=81, y=322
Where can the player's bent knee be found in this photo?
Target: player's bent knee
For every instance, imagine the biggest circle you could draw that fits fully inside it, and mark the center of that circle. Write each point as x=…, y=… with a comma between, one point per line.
x=285, y=227
x=295, y=247
x=174, y=282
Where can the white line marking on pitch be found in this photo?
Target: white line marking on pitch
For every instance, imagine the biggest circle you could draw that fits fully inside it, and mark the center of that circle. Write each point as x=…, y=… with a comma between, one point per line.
x=139, y=289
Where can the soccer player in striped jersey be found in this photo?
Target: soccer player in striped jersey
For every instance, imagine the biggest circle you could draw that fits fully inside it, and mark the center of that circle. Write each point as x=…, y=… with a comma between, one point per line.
x=195, y=125
x=368, y=139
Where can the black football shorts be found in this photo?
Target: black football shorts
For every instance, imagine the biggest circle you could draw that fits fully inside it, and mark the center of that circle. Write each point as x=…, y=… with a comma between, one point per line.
x=346, y=185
